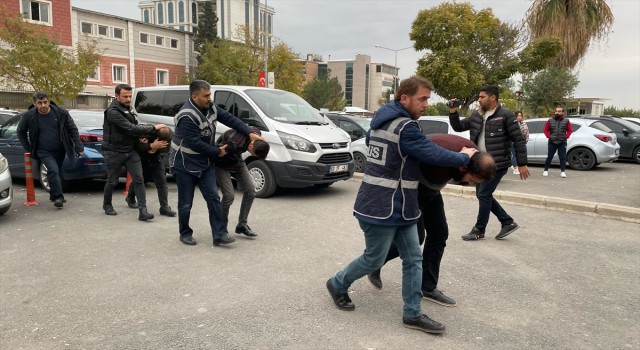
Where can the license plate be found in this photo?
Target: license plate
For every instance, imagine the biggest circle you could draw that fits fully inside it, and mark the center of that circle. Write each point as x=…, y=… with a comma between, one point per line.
x=338, y=169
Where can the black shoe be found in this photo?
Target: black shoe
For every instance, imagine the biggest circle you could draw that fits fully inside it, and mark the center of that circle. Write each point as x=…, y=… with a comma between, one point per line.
x=108, y=209
x=131, y=202
x=145, y=215
x=342, y=301
x=188, y=240
x=167, y=211
x=245, y=230
x=474, y=235
x=374, y=278
x=507, y=230
x=424, y=323
x=224, y=240
x=437, y=297
x=58, y=203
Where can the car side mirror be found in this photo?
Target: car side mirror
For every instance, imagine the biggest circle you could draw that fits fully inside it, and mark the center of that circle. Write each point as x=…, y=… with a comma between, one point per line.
x=625, y=132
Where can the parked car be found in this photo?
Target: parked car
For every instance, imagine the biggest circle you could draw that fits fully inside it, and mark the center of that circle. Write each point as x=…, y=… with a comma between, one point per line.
x=590, y=144
x=6, y=189
x=90, y=165
x=429, y=125
x=628, y=134
x=634, y=120
x=6, y=114
x=355, y=126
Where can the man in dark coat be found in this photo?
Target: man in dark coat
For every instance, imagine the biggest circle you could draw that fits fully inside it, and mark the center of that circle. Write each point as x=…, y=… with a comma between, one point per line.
x=49, y=133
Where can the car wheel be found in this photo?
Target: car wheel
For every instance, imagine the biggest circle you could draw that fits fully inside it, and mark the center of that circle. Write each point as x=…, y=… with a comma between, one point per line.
x=636, y=154
x=44, y=181
x=360, y=161
x=263, y=178
x=581, y=159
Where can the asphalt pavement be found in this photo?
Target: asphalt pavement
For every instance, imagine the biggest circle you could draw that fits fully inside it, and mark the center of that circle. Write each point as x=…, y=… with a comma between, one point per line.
x=77, y=279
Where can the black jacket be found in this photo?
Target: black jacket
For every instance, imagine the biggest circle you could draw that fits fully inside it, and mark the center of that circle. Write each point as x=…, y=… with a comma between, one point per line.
x=237, y=144
x=29, y=130
x=121, y=129
x=501, y=131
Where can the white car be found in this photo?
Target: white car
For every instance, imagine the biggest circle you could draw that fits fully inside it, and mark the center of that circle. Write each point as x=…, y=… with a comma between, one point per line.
x=6, y=189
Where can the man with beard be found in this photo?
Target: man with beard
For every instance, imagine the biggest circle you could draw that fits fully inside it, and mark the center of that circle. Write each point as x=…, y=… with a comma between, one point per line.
x=557, y=129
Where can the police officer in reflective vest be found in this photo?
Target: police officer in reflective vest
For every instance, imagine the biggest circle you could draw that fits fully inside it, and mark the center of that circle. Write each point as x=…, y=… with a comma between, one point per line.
x=387, y=203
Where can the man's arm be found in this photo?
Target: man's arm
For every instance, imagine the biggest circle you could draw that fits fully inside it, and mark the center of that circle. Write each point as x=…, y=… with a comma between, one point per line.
x=547, y=129
x=457, y=124
x=23, y=129
x=569, y=130
x=192, y=139
x=118, y=120
x=414, y=143
x=232, y=121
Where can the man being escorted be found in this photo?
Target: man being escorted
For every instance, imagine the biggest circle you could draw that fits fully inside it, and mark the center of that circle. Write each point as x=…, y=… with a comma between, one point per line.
x=120, y=136
x=493, y=128
x=150, y=148
x=558, y=130
x=387, y=202
x=433, y=220
x=232, y=163
x=193, y=149
x=49, y=133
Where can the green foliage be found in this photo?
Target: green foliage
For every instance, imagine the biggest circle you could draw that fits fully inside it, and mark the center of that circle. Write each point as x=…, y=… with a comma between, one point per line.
x=322, y=93
x=282, y=62
x=33, y=61
x=624, y=112
x=467, y=49
x=439, y=109
x=207, y=30
x=547, y=89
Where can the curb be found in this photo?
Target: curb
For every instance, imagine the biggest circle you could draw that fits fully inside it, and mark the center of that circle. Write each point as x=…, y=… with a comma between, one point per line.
x=605, y=210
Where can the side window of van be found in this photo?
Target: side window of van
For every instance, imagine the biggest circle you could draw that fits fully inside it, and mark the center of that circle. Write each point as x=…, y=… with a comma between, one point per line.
x=149, y=102
x=239, y=107
x=173, y=100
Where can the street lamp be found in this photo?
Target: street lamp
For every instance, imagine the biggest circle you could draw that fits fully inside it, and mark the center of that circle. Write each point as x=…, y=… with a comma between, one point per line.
x=395, y=62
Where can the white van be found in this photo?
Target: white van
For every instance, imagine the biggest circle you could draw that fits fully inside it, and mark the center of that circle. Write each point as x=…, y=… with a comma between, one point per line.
x=305, y=149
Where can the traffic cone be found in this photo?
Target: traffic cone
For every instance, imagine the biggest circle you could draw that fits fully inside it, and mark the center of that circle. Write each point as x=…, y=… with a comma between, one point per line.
x=128, y=183
x=31, y=193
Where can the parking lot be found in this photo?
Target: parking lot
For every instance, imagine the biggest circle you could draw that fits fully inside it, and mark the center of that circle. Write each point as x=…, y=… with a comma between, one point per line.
x=78, y=279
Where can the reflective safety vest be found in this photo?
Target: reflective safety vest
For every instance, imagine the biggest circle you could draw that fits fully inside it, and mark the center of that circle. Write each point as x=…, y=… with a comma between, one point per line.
x=387, y=172
x=191, y=160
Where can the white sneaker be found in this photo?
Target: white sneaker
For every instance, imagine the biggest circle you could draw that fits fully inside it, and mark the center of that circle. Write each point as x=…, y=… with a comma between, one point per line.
x=516, y=171
x=562, y=174
x=545, y=173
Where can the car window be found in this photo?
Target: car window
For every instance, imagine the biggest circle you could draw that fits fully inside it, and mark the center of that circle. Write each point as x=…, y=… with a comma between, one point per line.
x=575, y=127
x=618, y=125
x=5, y=116
x=285, y=107
x=173, y=101
x=600, y=126
x=353, y=129
x=238, y=106
x=86, y=119
x=536, y=126
x=433, y=127
x=149, y=102
x=10, y=129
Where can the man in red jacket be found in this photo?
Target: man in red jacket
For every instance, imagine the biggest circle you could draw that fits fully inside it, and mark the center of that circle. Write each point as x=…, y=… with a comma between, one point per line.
x=558, y=130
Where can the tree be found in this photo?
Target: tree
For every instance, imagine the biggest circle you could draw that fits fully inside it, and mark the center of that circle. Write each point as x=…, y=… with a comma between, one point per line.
x=207, y=30
x=323, y=93
x=621, y=112
x=468, y=49
x=438, y=109
x=575, y=22
x=547, y=89
x=285, y=68
x=33, y=61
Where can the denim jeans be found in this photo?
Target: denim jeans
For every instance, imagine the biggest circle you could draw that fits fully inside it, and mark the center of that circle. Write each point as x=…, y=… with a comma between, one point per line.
x=154, y=167
x=53, y=161
x=378, y=239
x=514, y=160
x=131, y=161
x=552, y=148
x=434, y=222
x=488, y=204
x=186, y=189
x=245, y=182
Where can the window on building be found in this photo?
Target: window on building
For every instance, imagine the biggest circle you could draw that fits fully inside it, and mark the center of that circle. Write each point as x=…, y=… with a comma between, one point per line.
x=162, y=77
x=174, y=43
x=160, y=40
x=95, y=75
x=160, y=14
x=145, y=16
x=37, y=11
x=103, y=30
x=86, y=28
x=170, y=12
x=246, y=12
x=118, y=33
x=194, y=13
x=144, y=38
x=181, y=12
x=119, y=73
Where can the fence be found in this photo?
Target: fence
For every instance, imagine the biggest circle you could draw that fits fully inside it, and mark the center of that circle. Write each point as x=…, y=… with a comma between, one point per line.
x=21, y=100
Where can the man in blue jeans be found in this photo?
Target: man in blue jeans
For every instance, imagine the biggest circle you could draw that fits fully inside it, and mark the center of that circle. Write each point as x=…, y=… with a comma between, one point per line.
x=387, y=202
x=558, y=130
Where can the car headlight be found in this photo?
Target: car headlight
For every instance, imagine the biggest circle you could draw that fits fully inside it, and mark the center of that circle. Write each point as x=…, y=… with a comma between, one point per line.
x=296, y=142
x=4, y=164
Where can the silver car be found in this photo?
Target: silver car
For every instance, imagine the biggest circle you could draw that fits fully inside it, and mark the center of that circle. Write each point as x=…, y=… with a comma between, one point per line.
x=6, y=189
x=588, y=146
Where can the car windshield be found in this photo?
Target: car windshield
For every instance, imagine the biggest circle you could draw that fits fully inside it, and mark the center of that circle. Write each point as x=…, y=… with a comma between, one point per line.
x=632, y=127
x=88, y=119
x=286, y=107
x=365, y=123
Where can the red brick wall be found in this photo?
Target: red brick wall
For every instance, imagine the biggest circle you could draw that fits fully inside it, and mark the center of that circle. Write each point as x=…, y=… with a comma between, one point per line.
x=106, y=76
x=146, y=73
x=61, y=14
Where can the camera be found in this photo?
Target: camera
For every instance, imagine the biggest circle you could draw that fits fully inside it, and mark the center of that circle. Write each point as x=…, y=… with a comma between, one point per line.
x=454, y=103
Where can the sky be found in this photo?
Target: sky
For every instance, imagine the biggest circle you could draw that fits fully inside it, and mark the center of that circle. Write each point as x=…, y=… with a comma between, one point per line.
x=340, y=29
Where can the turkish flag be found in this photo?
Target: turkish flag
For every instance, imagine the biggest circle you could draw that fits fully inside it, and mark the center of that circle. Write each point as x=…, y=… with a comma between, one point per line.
x=262, y=82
